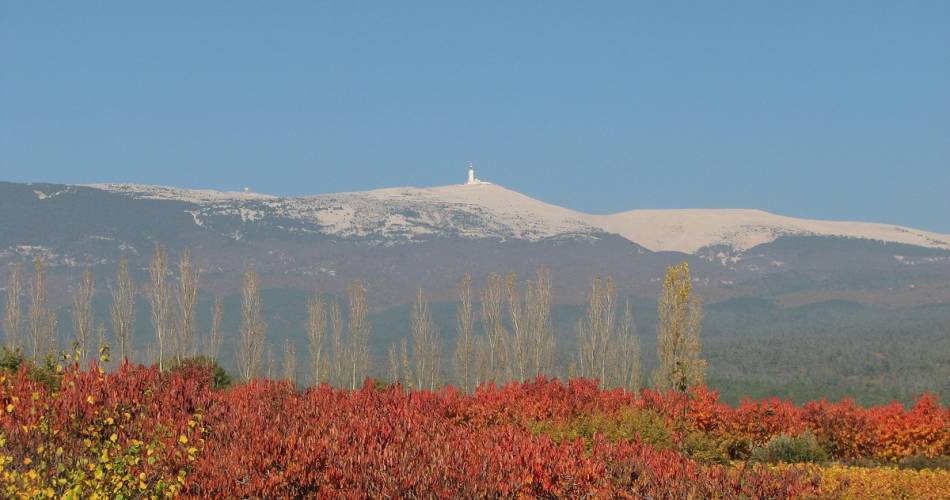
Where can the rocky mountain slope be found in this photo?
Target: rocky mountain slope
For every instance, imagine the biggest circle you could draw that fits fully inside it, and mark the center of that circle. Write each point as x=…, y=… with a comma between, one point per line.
x=486, y=210
x=401, y=238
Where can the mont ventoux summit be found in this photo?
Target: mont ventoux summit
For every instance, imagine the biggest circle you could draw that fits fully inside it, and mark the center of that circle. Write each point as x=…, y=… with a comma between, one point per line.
x=771, y=283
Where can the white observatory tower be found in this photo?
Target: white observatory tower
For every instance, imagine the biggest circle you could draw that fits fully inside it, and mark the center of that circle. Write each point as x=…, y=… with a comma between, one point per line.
x=472, y=180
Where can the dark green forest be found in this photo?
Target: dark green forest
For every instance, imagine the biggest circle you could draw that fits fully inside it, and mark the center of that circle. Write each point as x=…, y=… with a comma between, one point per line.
x=754, y=348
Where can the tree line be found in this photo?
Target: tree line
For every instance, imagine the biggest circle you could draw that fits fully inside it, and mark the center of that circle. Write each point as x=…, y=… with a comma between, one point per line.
x=503, y=330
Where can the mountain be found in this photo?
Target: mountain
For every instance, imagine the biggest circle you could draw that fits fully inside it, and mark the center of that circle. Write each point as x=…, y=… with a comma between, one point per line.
x=485, y=210
x=796, y=308
x=400, y=238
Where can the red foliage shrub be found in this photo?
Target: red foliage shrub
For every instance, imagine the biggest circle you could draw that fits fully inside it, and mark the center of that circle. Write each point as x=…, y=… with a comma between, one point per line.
x=270, y=441
x=265, y=439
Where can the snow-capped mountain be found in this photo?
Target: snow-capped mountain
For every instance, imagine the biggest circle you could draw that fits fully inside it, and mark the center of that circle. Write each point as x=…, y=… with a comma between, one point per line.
x=401, y=238
x=484, y=210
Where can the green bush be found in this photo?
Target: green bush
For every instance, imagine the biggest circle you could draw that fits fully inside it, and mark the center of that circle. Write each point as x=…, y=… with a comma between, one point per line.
x=790, y=449
x=45, y=371
x=221, y=379
x=702, y=446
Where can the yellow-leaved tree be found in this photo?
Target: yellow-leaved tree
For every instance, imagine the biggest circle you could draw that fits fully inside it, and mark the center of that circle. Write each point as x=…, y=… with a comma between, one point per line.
x=680, y=321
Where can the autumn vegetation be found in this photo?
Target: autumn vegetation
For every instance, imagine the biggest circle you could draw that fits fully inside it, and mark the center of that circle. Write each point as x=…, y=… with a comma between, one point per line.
x=495, y=418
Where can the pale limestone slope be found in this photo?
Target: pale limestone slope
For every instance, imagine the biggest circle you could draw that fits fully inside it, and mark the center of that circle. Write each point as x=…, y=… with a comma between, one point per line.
x=688, y=230
x=489, y=210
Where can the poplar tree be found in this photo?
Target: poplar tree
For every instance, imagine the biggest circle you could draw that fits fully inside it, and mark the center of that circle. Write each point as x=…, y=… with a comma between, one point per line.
x=83, y=321
x=426, y=347
x=188, y=277
x=42, y=319
x=493, y=326
x=253, y=340
x=12, y=318
x=122, y=311
x=465, y=325
x=316, y=332
x=680, y=321
x=160, y=302
x=608, y=349
x=358, y=330
x=213, y=348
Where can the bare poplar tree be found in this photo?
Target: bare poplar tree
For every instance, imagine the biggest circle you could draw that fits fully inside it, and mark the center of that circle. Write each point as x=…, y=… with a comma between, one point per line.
x=393, y=356
x=253, y=329
x=493, y=325
x=406, y=366
x=595, y=331
x=83, y=321
x=160, y=302
x=628, y=364
x=122, y=311
x=678, y=346
x=519, y=334
x=465, y=344
x=290, y=361
x=540, y=339
x=607, y=351
x=481, y=364
x=339, y=362
x=426, y=347
x=358, y=330
x=214, y=335
x=188, y=277
x=12, y=317
x=316, y=331
x=42, y=319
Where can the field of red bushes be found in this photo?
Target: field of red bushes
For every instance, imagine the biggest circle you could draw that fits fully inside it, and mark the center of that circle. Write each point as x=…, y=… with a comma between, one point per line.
x=140, y=432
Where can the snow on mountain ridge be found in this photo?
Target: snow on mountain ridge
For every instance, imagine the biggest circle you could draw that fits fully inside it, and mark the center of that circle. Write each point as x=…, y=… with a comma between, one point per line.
x=490, y=210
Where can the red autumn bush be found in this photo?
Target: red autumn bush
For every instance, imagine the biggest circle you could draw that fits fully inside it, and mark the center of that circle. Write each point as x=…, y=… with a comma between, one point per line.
x=271, y=441
x=139, y=430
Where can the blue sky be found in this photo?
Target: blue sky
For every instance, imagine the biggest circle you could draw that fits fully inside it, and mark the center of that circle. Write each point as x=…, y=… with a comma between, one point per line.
x=820, y=109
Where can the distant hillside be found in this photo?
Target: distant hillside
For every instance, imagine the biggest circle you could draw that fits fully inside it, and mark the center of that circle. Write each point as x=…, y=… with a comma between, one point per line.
x=794, y=307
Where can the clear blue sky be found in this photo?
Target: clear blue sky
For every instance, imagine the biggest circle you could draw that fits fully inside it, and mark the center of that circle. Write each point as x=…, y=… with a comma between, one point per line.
x=818, y=109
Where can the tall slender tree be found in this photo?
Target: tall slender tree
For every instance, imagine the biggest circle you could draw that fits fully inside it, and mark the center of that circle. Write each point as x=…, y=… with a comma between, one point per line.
x=12, y=318
x=541, y=344
x=316, y=332
x=624, y=359
x=253, y=328
x=465, y=343
x=358, y=330
x=519, y=325
x=595, y=331
x=42, y=318
x=83, y=321
x=338, y=362
x=160, y=302
x=213, y=349
x=426, y=347
x=608, y=349
x=393, y=358
x=290, y=361
x=188, y=277
x=122, y=311
x=492, y=296
x=680, y=321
